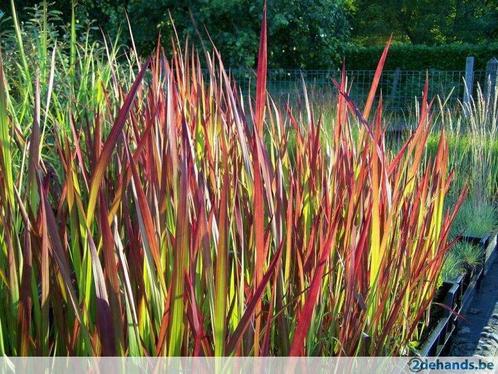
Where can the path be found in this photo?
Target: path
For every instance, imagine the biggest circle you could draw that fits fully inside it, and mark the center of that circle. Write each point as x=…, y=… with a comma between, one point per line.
x=478, y=333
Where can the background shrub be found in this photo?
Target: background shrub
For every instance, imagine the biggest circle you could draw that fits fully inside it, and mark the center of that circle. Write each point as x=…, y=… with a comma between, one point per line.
x=417, y=57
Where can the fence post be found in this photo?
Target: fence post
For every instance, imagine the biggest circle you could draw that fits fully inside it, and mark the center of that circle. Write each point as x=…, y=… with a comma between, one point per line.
x=491, y=79
x=469, y=82
x=394, y=89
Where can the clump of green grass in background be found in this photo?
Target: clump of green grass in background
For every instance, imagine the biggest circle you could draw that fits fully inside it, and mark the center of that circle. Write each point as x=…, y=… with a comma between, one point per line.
x=452, y=267
x=476, y=218
x=463, y=257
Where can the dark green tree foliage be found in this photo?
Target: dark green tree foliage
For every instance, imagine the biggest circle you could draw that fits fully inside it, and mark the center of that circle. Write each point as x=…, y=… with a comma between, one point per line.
x=302, y=33
x=232, y=24
x=425, y=21
x=308, y=34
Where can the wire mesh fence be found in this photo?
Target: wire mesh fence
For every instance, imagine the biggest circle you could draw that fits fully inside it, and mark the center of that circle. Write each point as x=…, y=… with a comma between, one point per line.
x=399, y=88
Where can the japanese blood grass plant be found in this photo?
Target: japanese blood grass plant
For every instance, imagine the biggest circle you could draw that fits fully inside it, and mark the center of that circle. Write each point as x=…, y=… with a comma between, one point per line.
x=183, y=223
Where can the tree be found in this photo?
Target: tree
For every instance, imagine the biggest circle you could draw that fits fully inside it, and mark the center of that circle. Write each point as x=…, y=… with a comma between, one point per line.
x=302, y=33
x=425, y=21
x=308, y=33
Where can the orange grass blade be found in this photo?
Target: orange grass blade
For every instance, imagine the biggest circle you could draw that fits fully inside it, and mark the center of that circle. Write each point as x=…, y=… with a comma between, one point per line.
x=376, y=80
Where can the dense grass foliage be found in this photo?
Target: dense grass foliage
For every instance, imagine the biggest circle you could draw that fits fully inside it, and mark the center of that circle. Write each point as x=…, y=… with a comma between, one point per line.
x=151, y=209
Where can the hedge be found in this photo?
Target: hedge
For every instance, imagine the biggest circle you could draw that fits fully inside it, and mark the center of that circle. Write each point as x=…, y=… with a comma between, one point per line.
x=417, y=57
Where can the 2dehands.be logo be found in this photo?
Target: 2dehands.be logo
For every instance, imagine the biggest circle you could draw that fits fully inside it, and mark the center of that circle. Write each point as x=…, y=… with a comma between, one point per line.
x=419, y=364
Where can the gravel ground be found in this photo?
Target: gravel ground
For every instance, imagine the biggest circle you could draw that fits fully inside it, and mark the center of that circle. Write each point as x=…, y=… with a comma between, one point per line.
x=477, y=335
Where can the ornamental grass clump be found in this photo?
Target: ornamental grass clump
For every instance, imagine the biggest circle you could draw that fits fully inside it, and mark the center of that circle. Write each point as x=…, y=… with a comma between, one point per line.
x=188, y=219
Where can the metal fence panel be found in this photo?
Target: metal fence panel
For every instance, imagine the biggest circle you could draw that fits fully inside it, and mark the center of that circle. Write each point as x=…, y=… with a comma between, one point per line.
x=399, y=88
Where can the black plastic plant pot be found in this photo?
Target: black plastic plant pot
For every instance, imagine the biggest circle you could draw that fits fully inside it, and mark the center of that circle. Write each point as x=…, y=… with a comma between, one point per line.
x=472, y=276
x=470, y=289
x=490, y=252
x=476, y=240
x=454, y=296
x=443, y=327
